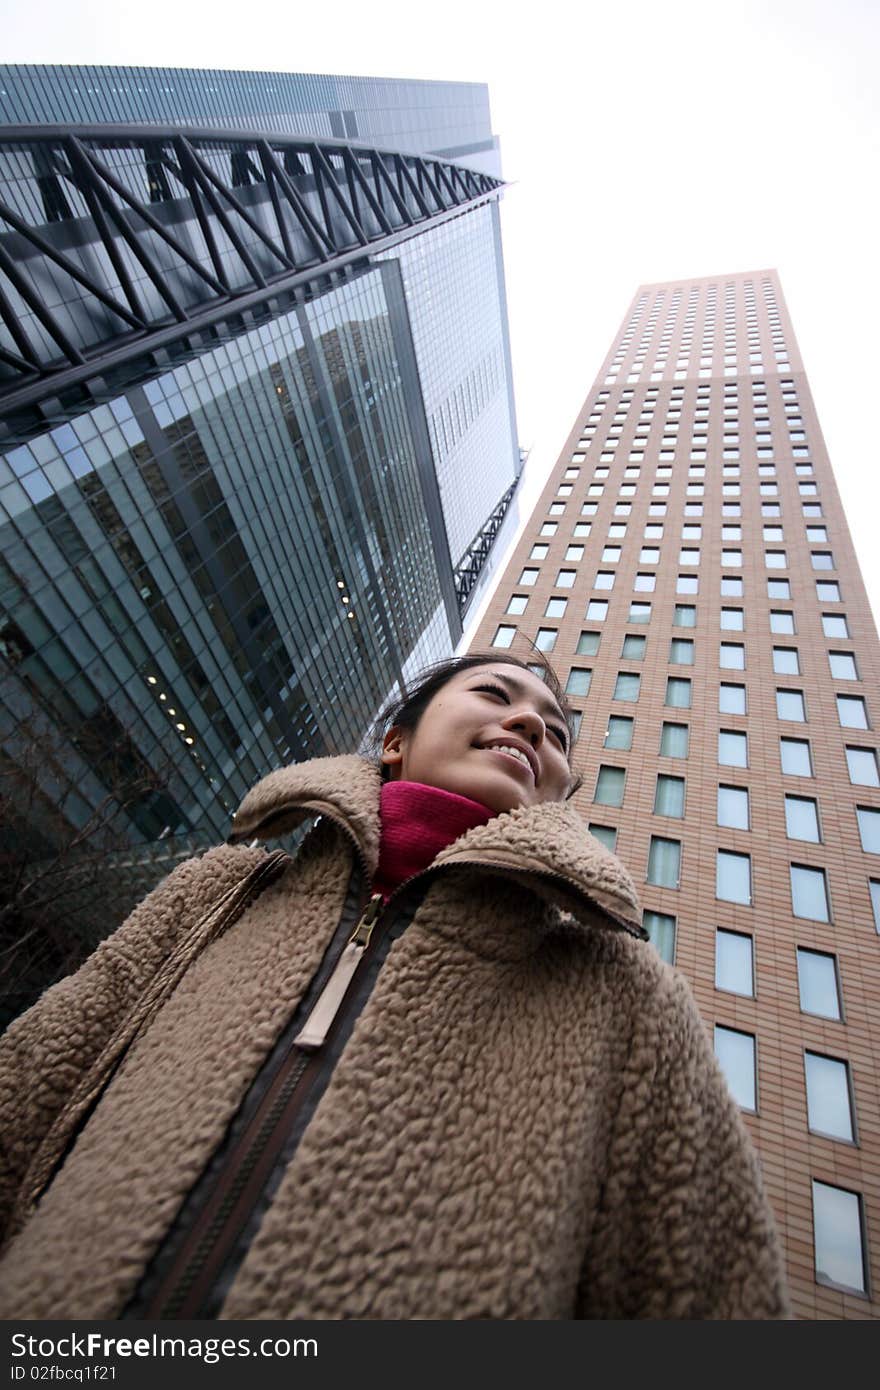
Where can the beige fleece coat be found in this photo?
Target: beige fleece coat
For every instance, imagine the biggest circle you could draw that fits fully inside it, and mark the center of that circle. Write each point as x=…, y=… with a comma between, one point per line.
x=527, y=1121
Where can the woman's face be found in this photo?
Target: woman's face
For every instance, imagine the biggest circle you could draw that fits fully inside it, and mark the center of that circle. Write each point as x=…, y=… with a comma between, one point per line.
x=493, y=733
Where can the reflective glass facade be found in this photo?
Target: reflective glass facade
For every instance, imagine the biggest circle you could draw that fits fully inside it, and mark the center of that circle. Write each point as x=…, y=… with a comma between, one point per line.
x=224, y=569
x=443, y=118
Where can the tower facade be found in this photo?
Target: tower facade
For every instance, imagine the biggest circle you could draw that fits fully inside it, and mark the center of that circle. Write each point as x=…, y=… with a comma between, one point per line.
x=256, y=419
x=690, y=574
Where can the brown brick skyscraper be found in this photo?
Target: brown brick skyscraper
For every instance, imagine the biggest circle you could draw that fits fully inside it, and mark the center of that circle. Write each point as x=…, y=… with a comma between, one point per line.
x=690, y=569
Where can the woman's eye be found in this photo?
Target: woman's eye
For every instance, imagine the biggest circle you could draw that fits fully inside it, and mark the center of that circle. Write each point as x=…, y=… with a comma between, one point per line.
x=494, y=690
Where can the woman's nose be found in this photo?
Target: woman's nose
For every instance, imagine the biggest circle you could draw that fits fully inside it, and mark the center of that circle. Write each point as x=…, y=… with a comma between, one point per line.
x=527, y=722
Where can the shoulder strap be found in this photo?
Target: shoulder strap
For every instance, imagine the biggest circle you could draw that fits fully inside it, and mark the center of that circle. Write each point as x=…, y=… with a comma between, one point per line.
x=59, y=1138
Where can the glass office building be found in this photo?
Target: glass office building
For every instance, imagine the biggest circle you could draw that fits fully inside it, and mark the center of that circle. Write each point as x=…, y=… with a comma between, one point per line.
x=243, y=447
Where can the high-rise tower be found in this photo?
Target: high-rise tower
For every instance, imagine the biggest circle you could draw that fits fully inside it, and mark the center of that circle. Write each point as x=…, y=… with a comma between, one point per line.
x=690, y=572
x=256, y=426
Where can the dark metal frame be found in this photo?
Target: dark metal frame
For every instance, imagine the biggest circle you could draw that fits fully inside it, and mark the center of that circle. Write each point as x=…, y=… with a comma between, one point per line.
x=369, y=201
x=470, y=566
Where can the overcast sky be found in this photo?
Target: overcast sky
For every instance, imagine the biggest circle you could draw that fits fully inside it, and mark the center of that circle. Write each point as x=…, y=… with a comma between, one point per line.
x=654, y=142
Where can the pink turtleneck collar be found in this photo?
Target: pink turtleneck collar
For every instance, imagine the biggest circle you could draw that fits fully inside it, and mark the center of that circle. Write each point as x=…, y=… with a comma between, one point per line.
x=416, y=823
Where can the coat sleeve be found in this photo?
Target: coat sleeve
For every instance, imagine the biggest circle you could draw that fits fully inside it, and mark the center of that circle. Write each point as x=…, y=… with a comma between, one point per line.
x=684, y=1229
x=47, y=1051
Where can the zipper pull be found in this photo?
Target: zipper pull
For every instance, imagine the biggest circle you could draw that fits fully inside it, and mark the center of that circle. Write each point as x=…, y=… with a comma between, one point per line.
x=316, y=1027
x=364, y=929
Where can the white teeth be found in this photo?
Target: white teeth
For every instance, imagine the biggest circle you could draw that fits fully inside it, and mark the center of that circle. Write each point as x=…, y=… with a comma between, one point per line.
x=514, y=753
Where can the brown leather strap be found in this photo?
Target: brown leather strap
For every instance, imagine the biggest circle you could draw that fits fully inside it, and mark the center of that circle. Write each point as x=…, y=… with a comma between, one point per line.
x=56, y=1141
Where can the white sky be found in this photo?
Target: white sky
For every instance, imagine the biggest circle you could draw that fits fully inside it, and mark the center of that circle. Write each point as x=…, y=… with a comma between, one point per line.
x=654, y=142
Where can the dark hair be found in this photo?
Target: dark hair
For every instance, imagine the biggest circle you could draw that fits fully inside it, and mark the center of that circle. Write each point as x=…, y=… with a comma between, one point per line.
x=405, y=711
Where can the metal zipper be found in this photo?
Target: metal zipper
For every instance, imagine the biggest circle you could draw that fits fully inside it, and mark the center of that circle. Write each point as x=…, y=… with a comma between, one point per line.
x=258, y=1148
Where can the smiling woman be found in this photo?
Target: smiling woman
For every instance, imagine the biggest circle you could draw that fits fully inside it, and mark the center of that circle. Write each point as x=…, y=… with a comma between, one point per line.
x=429, y=1067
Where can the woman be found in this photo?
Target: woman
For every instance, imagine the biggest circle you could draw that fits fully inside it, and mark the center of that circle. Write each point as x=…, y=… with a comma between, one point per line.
x=427, y=1068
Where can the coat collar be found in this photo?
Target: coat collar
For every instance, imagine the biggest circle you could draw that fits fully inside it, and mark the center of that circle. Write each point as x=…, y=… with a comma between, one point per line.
x=547, y=848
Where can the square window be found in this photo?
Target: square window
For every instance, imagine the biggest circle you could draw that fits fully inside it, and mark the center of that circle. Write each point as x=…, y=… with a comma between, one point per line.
x=732, y=587
x=529, y=576
x=664, y=862
x=733, y=877
x=649, y=555
x=731, y=698
x=809, y=893
x=549, y=528
x=786, y=661
x=685, y=615
x=619, y=733
x=802, y=818
x=678, y=693
x=609, y=786
x=681, y=651
x=644, y=583
x=639, y=613
x=734, y=962
x=557, y=508
x=669, y=796
x=504, y=635
x=517, y=604
x=852, y=712
x=794, y=754
x=818, y=983
x=605, y=834
x=732, y=619
x=539, y=552
x=778, y=588
x=869, y=828
x=736, y=1057
x=653, y=532
x=776, y=559
x=843, y=666
x=732, y=656
x=556, y=608
x=817, y=535
x=790, y=705
x=580, y=528
x=565, y=579
x=687, y=584
x=604, y=580
x=732, y=748
x=611, y=554
x=578, y=683
x=829, y=1099
x=781, y=621
x=660, y=927
x=674, y=739
x=838, y=1227
x=545, y=639
x=822, y=560
x=589, y=508
x=862, y=765
x=573, y=552
x=731, y=533
x=772, y=533
x=733, y=807
x=633, y=647
x=770, y=509
x=731, y=559
x=828, y=591
x=835, y=625
x=588, y=643
x=597, y=609
x=626, y=686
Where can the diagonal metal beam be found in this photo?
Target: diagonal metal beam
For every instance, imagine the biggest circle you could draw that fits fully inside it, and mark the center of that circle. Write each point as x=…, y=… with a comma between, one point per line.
x=38, y=308
x=208, y=177
x=152, y=222
x=316, y=234
x=399, y=201
x=330, y=178
x=85, y=184
x=197, y=171
x=272, y=185
x=357, y=173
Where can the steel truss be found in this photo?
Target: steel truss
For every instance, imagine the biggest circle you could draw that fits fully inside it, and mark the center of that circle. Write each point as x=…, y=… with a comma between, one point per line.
x=470, y=566
x=121, y=240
